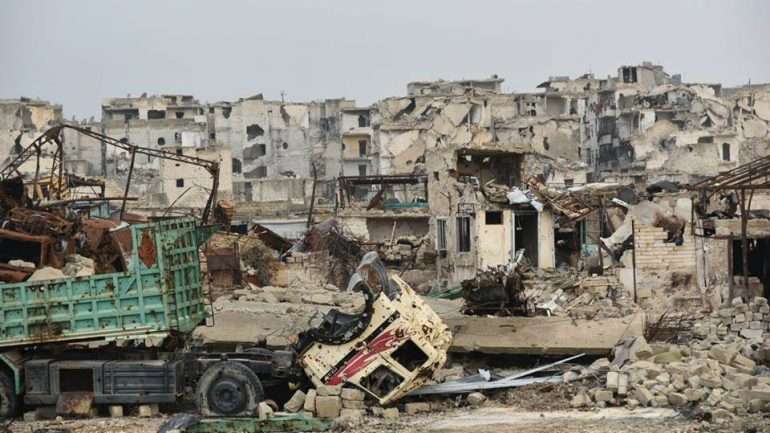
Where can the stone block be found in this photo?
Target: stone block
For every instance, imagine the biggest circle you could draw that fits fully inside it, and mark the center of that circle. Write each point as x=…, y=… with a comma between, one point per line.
x=643, y=395
x=116, y=410
x=295, y=403
x=476, y=399
x=603, y=395
x=264, y=411
x=148, y=410
x=723, y=354
x=677, y=399
x=751, y=334
x=668, y=357
x=328, y=406
x=613, y=380
x=581, y=399
x=353, y=404
x=695, y=394
x=416, y=407
x=328, y=390
x=352, y=394
x=390, y=413
x=622, y=384
x=309, y=405
x=352, y=414
x=743, y=363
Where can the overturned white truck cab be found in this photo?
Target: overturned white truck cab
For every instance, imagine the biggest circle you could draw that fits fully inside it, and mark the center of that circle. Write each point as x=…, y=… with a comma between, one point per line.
x=393, y=347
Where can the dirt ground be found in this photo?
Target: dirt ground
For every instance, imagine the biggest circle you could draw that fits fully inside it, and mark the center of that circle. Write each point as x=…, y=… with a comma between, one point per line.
x=483, y=420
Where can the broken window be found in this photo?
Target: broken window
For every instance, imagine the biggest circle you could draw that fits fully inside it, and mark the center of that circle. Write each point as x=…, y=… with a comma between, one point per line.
x=493, y=218
x=156, y=114
x=362, y=170
x=629, y=75
x=362, y=148
x=463, y=234
x=179, y=114
x=441, y=236
x=254, y=131
x=180, y=183
x=363, y=121
x=410, y=355
x=161, y=141
x=725, y=151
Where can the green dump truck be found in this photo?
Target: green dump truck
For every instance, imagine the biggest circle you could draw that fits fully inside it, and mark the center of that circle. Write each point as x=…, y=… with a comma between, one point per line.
x=89, y=335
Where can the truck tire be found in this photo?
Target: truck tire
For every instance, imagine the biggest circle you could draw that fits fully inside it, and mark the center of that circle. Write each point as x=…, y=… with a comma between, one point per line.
x=228, y=388
x=9, y=403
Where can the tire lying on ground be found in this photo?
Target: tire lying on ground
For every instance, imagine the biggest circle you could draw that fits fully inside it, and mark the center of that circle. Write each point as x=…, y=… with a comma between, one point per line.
x=9, y=402
x=228, y=389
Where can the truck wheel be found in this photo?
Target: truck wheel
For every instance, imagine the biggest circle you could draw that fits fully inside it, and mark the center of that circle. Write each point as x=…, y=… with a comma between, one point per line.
x=228, y=388
x=8, y=400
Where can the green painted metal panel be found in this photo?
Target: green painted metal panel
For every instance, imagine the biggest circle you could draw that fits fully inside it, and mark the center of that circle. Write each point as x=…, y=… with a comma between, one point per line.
x=160, y=292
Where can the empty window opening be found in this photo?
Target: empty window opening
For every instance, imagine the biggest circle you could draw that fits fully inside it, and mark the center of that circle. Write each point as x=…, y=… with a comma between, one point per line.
x=525, y=234
x=161, y=141
x=179, y=114
x=382, y=381
x=76, y=380
x=180, y=183
x=363, y=120
x=493, y=218
x=211, y=110
x=156, y=114
x=285, y=145
x=441, y=237
x=546, y=145
x=254, y=131
x=410, y=355
x=212, y=135
x=226, y=112
x=362, y=170
x=178, y=150
x=725, y=151
x=463, y=234
x=124, y=140
x=362, y=147
x=705, y=140
x=177, y=137
x=629, y=75
x=260, y=171
x=237, y=165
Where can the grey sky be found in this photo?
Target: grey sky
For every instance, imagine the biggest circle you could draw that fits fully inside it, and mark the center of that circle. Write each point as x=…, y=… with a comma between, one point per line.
x=78, y=52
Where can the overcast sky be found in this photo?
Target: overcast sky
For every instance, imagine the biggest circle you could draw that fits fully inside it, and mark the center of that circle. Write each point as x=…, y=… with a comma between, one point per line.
x=77, y=53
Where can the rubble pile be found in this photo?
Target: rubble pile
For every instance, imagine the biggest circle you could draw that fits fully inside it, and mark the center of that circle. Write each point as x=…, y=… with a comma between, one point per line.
x=720, y=376
x=527, y=290
x=750, y=321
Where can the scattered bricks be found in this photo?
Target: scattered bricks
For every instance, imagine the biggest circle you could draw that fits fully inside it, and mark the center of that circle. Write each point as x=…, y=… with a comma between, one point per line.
x=668, y=357
x=721, y=415
x=328, y=390
x=622, y=384
x=148, y=410
x=725, y=355
x=581, y=399
x=715, y=397
x=116, y=411
x=390, y=413
x=760, y=392
x=739, y=318
x=664, y=378
x=756, y=405
x=743, y=363
x=639, y=350
x=327, y=406
x=352, y=414
x=677, y=399
x=295, y=403
x=377, y=411
x=310, y=397
x=678, y=383
x=711, y=381
x=603, y=395
x=264, y=411
x=660, y=400
x=416, y=407
x=352, y=394
x=643, y=395
x=751, y=334
x=695, y=394
x=694, y=381
x=755, y=324
x=613, y=380
x=652, y=370
x=353, y=404
x=632, y=403
x=476, y=399
x=743, y=381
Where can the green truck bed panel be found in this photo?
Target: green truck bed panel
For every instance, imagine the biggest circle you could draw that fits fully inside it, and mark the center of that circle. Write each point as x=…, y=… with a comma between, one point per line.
x=160, y=292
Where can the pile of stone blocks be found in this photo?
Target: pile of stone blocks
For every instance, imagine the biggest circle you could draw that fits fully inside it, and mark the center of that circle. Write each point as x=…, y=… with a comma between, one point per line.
x=329, y=402
x=716, y=376
x=750, y=320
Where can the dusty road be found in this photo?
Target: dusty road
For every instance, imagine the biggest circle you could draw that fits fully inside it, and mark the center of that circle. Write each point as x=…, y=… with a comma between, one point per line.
x=485, y=420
